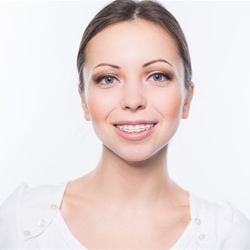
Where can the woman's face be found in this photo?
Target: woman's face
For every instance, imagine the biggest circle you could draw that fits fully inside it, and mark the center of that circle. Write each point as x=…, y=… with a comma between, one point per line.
x=134, y=88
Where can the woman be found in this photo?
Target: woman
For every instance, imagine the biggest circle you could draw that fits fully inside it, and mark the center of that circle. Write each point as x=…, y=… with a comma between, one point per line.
x=135, y=86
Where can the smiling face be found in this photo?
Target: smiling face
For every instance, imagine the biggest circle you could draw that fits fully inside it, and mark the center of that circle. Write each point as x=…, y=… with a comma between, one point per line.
x=134, y=88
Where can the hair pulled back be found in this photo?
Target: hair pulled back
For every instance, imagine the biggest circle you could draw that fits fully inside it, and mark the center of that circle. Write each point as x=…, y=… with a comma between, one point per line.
x=125, y=10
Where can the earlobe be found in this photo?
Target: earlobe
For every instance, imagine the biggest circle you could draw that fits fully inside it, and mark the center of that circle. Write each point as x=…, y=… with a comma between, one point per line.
x=187, y=103
x=85, y=107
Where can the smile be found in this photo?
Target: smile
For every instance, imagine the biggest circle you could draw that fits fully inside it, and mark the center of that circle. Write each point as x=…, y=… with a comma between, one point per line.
x=135, y=128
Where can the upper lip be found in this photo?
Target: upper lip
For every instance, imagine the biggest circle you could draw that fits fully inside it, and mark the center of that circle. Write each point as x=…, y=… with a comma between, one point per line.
x=133, y=123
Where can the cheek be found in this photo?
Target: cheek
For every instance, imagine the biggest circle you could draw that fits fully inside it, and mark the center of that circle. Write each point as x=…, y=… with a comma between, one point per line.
x=171, y=104
x=99, y=107
x=175, y=107
x=95, y=110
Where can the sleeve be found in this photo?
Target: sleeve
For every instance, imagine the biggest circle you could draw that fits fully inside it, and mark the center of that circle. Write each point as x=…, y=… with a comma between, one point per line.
x=236, y=229
x=10, y=220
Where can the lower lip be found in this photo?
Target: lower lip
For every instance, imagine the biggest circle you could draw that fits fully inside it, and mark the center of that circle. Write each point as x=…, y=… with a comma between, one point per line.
x=134, y=136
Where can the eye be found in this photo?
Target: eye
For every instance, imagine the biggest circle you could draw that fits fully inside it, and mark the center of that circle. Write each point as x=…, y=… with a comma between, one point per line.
x=106, y=79
x=159, y=77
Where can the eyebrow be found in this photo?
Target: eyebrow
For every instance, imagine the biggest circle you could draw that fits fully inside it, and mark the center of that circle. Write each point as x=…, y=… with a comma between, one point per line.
x=144, y=65
x=107, y=64
x=156, y=61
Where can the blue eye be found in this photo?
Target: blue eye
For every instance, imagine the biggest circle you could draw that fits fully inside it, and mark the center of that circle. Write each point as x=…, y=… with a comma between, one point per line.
x=106, y=79
x=159, y=77
x=109, y=79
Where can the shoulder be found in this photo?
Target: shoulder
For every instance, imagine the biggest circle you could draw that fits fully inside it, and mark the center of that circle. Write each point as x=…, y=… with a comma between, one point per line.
x=27, y=212
x=10, y=213
x=223, y=224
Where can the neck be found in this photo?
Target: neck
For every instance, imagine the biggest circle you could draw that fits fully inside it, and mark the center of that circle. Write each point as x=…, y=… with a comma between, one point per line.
x=118, y=180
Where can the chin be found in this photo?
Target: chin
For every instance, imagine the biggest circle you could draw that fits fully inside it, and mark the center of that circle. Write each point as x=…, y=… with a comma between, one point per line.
x=142, y=157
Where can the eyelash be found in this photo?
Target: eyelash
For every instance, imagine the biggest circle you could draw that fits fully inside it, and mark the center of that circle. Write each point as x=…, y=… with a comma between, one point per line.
x=104, y=77
x=101, y=78
x=162, y=75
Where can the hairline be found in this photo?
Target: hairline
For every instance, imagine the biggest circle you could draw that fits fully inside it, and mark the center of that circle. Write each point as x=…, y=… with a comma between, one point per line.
x=133, y=19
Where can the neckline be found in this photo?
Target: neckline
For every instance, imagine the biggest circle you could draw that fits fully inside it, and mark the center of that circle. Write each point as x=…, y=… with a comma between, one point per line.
x=73, y=242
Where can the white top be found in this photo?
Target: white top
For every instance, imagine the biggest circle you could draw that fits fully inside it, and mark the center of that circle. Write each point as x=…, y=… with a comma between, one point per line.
x=31, y=219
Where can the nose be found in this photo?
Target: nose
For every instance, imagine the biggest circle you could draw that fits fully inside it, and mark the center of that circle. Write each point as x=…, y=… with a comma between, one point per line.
x=133, y=97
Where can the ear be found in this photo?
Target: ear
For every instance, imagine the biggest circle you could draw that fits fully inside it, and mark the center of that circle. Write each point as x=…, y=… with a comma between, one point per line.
x=85, y=106
x=188, y=99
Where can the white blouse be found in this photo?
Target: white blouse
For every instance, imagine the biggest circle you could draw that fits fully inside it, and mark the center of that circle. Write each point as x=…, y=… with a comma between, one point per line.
x=31, y=219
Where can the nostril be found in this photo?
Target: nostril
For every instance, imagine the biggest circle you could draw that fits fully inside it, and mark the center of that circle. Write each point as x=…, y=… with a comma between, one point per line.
x=134, y=108
x=134, y=102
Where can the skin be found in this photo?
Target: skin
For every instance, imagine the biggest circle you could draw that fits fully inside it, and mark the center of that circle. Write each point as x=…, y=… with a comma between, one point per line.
x=129, y=201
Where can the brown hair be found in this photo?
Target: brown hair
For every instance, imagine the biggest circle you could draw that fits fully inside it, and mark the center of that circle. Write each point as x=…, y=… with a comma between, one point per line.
x=124, y=10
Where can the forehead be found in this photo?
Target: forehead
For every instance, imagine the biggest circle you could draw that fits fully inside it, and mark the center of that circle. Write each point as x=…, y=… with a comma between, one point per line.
x=132, y=39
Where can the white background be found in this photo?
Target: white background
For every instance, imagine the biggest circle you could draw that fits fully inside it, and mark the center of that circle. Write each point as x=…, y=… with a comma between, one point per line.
x=43, y=135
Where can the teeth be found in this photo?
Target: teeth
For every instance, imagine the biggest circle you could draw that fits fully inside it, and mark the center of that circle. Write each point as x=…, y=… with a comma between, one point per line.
x=135, y=129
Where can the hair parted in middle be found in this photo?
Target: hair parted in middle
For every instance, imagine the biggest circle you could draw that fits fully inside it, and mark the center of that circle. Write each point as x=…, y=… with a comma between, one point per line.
x=126, y=10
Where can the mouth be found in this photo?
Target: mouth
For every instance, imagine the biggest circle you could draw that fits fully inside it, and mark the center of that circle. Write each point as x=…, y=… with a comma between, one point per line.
x=135, y=129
